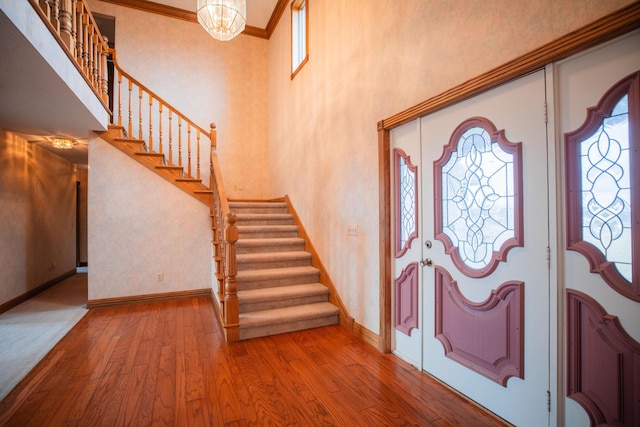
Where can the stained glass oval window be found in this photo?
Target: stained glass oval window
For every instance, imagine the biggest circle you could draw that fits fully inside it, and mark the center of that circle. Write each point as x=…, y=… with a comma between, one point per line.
x=600, y=159
x=478, y=197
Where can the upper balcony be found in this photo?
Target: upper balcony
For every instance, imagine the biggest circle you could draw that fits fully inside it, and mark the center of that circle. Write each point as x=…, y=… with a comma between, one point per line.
x=53, y=69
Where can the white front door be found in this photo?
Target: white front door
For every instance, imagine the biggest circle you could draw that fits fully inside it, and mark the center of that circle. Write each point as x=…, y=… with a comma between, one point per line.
x=485, y=218
x=596, y=109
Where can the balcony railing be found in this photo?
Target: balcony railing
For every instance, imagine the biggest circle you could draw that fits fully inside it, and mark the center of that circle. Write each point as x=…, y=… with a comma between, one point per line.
x=72, y=23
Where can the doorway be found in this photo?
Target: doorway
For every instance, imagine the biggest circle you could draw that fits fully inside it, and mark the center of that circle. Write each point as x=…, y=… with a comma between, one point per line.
x=481, y=293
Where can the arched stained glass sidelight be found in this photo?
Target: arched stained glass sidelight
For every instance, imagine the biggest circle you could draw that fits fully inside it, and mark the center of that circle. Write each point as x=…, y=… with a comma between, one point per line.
x=478, y=189
x=600, y=158
x=406, y=201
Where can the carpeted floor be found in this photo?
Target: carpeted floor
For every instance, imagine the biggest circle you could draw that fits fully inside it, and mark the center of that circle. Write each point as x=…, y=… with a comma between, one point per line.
x=29, y=330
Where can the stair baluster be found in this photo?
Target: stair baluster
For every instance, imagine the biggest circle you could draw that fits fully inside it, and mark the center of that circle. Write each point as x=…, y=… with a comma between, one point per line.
x=130, y=113
x=150, y=137
x=170, y=140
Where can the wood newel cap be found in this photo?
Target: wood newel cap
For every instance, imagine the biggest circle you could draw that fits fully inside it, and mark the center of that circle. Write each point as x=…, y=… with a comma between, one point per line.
x=230, y=229
x=213, y=136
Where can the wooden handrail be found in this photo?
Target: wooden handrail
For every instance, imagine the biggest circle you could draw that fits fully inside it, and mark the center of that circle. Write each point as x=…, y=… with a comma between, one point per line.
x=224, y=238
x=73, y=26
x=134, y=101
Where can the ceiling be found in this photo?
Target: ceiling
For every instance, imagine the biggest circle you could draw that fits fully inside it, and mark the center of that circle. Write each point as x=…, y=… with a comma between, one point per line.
x=31, y=92
x=258, y=11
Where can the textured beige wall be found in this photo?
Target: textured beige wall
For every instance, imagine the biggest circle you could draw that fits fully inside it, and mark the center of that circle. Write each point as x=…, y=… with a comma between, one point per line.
x=141, y=226
x=370, y=59
x=82, y=174
x=208, y=80
x=37, y=216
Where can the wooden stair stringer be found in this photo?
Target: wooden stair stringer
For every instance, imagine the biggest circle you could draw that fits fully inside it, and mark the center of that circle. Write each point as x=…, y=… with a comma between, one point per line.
x=155, y=162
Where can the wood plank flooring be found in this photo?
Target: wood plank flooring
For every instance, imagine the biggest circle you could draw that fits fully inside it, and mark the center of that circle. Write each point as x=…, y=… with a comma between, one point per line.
x=167, y=364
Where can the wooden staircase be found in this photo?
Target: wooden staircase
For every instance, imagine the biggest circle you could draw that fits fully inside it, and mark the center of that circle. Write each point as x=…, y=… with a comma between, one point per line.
x=137, y=149
x=278, y=288
x=268, y=277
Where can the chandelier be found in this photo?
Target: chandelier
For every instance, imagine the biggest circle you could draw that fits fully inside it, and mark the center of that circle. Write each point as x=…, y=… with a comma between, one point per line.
x=222, y=19
x=62, y=143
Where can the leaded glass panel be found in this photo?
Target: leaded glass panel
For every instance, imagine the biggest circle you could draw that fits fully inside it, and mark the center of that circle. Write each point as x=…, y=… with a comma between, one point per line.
x=406, y=201
x=606, y=189
x=602, y=159
x=478, y=198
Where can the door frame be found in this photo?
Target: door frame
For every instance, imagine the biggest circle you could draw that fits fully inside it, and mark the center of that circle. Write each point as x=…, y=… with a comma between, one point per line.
x=602, y=30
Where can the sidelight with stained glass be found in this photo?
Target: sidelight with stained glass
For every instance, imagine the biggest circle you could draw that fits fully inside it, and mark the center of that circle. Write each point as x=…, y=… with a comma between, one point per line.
x=600, y=158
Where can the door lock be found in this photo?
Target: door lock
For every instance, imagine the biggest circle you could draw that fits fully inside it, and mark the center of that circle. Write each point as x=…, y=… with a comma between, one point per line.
x=428, y=244
x=426, y=262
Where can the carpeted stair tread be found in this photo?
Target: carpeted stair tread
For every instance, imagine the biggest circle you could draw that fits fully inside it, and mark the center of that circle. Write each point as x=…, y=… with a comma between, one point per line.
x=282, y=292
x=262, y=228
x=275, y=273
x=287, y=314
x=265, y=216
x=240, y=205
x=270, y=241
x=258, y=207
x=272, y=256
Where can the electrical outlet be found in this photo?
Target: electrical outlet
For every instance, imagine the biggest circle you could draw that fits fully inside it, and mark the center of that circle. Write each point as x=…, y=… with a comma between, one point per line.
x=160, y=277
x=352, y=230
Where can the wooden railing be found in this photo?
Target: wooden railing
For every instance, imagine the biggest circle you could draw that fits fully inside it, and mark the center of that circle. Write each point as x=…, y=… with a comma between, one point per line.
x=224, y=248
x=72, y=23
x=166, y=131
x=146, y=116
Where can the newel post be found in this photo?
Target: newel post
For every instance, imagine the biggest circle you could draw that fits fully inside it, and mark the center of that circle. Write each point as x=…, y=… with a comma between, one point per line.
x=212, y=149
x=231, y=309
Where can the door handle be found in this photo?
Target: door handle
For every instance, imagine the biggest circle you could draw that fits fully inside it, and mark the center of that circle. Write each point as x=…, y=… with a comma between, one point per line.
x=426, y=262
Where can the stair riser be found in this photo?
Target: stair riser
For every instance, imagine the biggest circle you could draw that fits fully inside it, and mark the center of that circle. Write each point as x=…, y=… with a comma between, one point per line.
x=244, y=266
x=173, y=172
x=247, y=333
x=150, y=161
x=245, y=285
x=131, y=147
x=289, y=302
x=190, y=185
x=269, y=248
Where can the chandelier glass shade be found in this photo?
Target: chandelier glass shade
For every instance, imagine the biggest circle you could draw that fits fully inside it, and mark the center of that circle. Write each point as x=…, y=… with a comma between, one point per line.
x=222, y=19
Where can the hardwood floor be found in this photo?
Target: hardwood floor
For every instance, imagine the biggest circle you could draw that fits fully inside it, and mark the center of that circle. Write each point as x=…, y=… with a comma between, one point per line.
x=167, y=364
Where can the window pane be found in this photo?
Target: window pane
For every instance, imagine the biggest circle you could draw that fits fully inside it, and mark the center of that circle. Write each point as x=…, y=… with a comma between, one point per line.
x=478, y=198
x=606, y=189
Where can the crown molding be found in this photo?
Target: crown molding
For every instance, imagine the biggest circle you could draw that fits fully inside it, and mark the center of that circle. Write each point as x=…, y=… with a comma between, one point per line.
x=189, y=16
